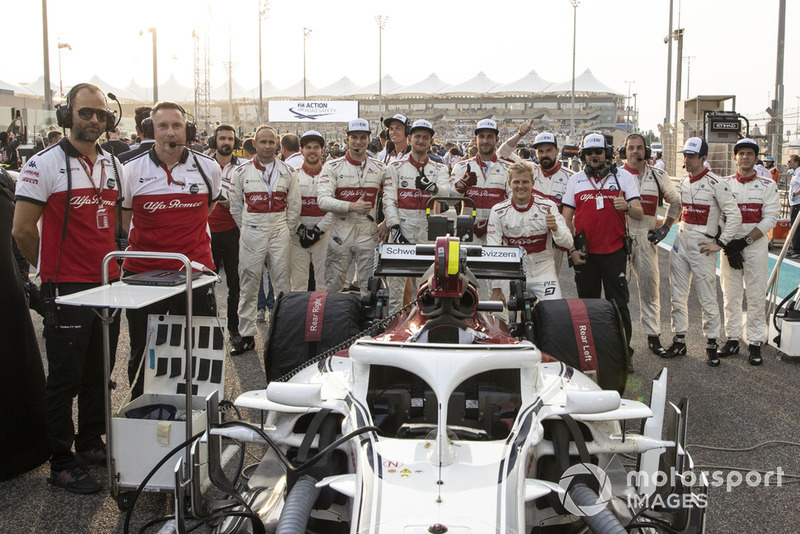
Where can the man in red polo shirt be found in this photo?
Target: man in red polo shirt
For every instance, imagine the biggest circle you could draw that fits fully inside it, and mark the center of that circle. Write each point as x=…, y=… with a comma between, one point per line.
x=73, y=188
x=596, y=202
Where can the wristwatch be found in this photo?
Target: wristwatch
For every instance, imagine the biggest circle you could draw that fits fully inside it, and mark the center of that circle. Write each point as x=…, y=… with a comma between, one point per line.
x=748, y=240
x=628, y=206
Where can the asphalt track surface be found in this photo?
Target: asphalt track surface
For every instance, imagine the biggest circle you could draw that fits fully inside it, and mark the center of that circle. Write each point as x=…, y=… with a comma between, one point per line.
x=731, y=406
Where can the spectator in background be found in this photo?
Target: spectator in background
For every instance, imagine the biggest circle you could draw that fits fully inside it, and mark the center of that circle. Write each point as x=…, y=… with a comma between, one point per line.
x=794, y=200
x=114, y=144
x=9, y=156
x=290, y=150
x=17, y=126
x=660, y=164
x=144, y=127
x=53, y=137
x=248, y=149
x=769, y=164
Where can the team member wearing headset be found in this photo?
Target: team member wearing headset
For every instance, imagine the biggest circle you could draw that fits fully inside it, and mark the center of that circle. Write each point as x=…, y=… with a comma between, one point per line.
x=646, y=232
x=596, y=202
x=75, y=174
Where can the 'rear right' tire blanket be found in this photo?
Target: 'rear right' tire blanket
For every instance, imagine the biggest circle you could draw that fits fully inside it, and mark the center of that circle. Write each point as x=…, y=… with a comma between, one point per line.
x=306, y=323
x=586, y=334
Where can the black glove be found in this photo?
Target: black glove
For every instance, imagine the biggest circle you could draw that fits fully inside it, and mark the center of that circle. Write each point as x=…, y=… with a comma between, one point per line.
x=736, y=245
x=735, y=260
x=396, y=236
x=314, y=234
x=657, y=234
x=305, y=236
x=424, y=184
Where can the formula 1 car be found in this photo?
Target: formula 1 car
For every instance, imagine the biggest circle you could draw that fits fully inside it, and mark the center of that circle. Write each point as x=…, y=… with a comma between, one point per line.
x=445, y=419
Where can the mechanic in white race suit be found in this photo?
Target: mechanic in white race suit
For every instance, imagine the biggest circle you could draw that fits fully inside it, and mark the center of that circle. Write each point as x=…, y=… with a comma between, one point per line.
x=532, y=222
x=748, y=253
x=705, y=197
x=310, y=241
x=550, y=177
x=647, y=233
x=349, y=187
x=484, y=179
x=408, y=185
x=265, y=203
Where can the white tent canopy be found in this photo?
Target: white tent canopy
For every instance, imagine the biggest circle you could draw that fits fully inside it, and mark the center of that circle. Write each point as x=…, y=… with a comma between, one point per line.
x=388, y=84
x=585, y=83
x=295, y=91
x=36, y=87
x=175, y=91
x=531, y=83
x=336, y=89
x=478, y=85
x=429, y=86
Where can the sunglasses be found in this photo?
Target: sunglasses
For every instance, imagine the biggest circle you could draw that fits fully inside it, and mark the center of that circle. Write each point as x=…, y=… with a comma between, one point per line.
x=596, y=151
x=86, y=114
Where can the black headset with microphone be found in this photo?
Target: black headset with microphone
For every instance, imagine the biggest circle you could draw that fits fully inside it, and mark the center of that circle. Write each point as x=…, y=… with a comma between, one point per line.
x=64, y=111
x=623, y=153
x=212, y=141
x=148, y=129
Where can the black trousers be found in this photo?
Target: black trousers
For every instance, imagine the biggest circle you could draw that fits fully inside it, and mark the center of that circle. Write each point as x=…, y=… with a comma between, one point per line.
x=203, y=303
x=606, y=272
x=225, y=249
x=75, y=368
x=796, y=238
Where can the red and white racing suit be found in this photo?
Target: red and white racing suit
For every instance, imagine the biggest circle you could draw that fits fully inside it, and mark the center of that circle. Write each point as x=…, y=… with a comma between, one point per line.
x=491, y=188
x=310, y=216
x=265, y=203
x=404, y=205
x=342, y=181
x=526, y=227
x=653, y=184
x=759, y=203
x=705, y=198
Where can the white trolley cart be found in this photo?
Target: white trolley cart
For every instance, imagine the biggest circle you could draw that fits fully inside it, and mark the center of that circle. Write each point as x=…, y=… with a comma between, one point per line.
x=134, y=446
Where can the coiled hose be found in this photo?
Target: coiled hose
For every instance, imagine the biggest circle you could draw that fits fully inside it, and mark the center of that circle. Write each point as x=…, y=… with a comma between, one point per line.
x=299, y=503
x=604, y=522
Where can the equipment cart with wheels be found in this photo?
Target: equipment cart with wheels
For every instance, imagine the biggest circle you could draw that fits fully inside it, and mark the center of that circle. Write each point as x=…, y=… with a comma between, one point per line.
x=183, y=363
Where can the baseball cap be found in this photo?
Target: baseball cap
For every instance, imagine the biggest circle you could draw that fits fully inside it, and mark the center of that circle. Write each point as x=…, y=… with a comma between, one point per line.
x=745, y=143
x=543, y=138
x=358, y=125
x=769, y=158
x=312, y=135
x=695, y=145
x=399, y=118
x=486, y=124
x=422, y=125
x=594, y=140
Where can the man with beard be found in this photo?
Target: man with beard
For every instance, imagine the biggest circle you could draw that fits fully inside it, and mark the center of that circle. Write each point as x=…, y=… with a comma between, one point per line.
x=705, y=199
x=75, y=173
x=647, y=233
x=398, y=135
x=595, y=203
x=265, y=203
x=349, y=188
x=310, y=242
x=224, y=232
x=484, y=179
x=748, y=253
x=409, y=184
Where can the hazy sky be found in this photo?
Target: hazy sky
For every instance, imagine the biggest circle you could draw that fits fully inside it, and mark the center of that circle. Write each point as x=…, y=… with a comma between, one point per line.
x=733, y=43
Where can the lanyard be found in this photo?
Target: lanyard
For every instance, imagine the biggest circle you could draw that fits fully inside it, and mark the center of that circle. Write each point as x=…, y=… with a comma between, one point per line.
x=98, y=192
x=269, y=177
